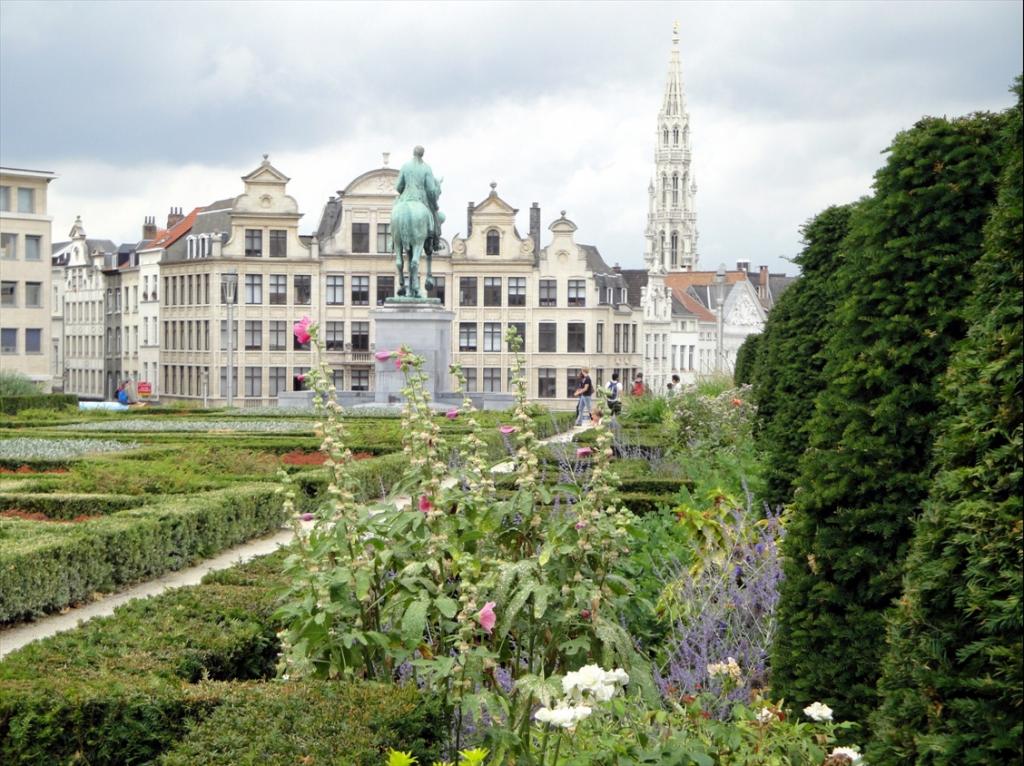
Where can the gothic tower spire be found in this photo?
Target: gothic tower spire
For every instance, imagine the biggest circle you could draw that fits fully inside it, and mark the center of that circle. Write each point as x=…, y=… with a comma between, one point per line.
x=672, y=218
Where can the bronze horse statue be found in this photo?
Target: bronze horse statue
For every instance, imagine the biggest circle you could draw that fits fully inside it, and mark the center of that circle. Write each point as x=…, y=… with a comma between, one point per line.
x=415, y=223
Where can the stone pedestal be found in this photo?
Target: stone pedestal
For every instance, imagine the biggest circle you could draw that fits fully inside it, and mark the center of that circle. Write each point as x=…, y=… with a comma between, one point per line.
x=426, y=329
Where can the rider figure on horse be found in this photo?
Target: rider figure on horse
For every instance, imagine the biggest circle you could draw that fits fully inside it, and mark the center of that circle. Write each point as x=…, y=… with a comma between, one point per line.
x=416, y=182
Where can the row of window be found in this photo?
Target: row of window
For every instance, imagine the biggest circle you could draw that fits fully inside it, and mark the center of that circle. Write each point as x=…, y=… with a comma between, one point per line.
x=624, y=337
x=277, y=239
x=32, y=295
x=194, y=335
x=24, y=197
x=193, y=380
x=385, y=244
x=9, y=340
x=675, y=136
x=33, y=246
x=84, y=381
x=185, y=290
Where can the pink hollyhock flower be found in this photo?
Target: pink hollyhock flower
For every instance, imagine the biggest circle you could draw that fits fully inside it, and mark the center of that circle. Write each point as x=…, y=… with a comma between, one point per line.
x=452, y=414
x=425, y=504
x=584, y=452
x=581, y=524
x=300, y=377
x=737, y=402
x=398, y=363
x=507, y=430
x=301, y=329
x=306, y=517
x=382, y=356
x=585, y=614
x=486, y=617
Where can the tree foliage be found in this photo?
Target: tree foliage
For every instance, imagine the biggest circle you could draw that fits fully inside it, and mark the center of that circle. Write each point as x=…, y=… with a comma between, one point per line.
x=903, y=283
x=787, y=374
x=952, y=682
x=746, y=360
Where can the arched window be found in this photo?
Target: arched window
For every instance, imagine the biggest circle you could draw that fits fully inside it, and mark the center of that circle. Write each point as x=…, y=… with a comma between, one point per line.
x=664, y=190
x=675, y=249
x=190, y=245
x=675, y=188
x=204, y=246
x=493, y=242
x=664, y=136
x=675, y=136
x=661, y=249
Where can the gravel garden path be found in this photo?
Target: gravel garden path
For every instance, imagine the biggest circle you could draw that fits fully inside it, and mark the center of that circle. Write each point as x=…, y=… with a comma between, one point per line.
x=20, y=635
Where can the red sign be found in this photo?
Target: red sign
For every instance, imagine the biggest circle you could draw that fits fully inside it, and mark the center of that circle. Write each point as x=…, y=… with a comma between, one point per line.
x=145, y=389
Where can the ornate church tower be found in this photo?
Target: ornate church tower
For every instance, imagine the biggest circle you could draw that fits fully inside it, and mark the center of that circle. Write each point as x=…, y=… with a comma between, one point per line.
x=671, y=215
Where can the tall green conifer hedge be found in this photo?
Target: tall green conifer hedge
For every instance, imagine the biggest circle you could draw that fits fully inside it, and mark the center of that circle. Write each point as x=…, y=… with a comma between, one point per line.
x=903, y=285
x=952, y=683
x=787, y=374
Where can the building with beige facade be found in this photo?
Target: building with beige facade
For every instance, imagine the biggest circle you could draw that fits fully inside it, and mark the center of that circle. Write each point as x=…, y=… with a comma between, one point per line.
x=25, y=275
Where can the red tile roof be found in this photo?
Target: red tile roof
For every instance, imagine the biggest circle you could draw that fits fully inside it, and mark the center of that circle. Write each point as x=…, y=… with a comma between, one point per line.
x=170, y=236
x=692, y=305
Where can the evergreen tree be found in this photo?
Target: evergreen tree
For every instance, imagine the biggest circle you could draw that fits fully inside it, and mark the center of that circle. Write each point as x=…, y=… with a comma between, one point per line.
x=787, y=373
x=903, y=284
x=746, y=360
x=952, y=683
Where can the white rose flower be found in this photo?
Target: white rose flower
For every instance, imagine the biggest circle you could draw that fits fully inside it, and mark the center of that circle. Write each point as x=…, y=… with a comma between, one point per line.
x=618, y=676
x=818, y=711
x=849, y=752
x=603, y=692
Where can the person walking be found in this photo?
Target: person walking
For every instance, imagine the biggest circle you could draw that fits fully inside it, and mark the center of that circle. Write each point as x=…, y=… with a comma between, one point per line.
x=673, y=387
x=614, y=395
x=638, y=385
x=584, y=391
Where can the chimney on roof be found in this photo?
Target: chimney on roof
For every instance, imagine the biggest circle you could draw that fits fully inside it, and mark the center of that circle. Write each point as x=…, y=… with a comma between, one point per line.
x=149, y=227
x=743, y=266
x=469, y=218
x=535, y=231
x=174, y=217
x=617, y=268
x=762, y=283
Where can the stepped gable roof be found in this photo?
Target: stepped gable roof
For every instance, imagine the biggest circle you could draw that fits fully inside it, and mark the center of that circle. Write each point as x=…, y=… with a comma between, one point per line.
x=167, y=237
x=636, y=280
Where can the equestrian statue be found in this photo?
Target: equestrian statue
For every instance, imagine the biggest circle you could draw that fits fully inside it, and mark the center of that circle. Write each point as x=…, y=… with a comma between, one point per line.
x=415, y=224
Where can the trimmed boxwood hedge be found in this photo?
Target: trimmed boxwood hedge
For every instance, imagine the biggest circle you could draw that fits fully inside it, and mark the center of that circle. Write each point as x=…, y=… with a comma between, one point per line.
x=68, y=506
x=125, y=688
x=66, y=564
x=315, y=722
x=12, y=405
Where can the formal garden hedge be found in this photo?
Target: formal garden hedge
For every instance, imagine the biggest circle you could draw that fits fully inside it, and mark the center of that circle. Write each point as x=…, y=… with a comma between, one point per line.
x=46, y=566
x=187, y=674
x=12, y=405
x=66, y=506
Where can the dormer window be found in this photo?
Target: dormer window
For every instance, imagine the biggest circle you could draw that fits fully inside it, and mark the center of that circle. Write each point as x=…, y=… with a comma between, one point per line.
x=493, y=242
x=190, y=244
x=623, y=294
x=204, y=246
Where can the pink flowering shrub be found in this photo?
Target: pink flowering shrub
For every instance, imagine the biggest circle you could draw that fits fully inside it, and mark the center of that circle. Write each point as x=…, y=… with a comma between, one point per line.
x=488, y=598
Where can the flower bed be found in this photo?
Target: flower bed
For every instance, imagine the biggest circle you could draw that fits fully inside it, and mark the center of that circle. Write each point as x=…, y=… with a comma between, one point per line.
x=20, y=448
x=241, y=425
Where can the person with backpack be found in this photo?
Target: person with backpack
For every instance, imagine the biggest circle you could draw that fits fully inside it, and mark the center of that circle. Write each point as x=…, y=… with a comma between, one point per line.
x=614, y=395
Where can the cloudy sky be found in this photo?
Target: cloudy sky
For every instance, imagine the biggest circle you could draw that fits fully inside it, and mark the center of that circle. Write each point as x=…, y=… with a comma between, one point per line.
x=139, y=106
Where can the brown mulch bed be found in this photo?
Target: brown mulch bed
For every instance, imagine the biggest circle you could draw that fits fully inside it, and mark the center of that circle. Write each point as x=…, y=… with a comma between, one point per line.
x=301, y=457
x=28, y=469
